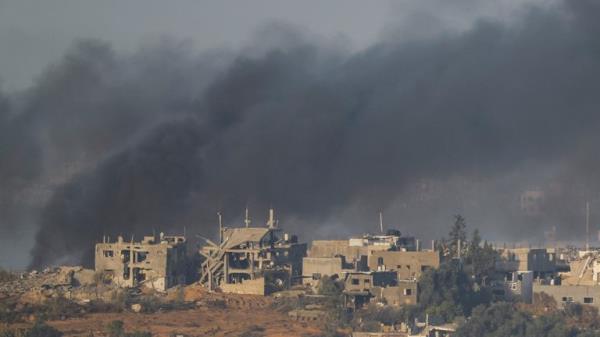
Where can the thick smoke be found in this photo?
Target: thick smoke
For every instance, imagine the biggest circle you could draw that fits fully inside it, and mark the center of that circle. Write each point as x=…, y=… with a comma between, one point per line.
x=421, y=128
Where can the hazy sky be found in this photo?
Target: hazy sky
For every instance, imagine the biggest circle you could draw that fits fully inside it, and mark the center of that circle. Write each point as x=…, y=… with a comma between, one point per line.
x=35, y=33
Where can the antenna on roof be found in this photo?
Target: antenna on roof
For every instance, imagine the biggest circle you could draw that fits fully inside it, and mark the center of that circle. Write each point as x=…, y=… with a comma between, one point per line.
x=271, y=221
x=220, y=227
x=381, y=222
x=247, y=218
x=587, y=226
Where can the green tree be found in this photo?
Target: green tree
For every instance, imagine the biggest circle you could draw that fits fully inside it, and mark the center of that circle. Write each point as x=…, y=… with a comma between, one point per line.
x=503, y=319
x=458, y=232
x=448, y=292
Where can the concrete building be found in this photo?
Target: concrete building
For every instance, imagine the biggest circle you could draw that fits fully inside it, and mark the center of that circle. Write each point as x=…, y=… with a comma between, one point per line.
x=563, y=294
x=516, y=286
x=361, y=288
x=389, y=252
x=540, y=261
x=155, y=263
x=252, y=260
x=408, y=265
x=580, y=285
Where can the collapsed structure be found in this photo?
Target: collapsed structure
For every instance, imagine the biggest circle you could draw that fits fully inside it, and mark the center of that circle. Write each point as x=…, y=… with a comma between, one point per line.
x=252, y=260
x=158, y=263
x=579, y=285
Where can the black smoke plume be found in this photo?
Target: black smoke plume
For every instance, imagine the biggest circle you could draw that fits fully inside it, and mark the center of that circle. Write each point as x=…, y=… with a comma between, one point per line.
x=424, y=129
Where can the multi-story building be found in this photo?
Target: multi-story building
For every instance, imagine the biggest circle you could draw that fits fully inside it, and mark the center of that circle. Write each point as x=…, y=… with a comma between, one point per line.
x=155, y=263
x=252, y=260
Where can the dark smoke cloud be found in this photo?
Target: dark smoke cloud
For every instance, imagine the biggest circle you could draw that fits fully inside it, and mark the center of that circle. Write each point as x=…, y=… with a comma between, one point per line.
x=423, y=128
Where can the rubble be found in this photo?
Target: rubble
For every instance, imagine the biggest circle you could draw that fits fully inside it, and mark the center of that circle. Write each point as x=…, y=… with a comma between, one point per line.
x=74, y=283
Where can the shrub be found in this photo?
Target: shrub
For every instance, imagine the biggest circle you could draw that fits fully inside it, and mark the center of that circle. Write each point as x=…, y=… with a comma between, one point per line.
x=253, y=331
x=41, y=329
x=115, y=329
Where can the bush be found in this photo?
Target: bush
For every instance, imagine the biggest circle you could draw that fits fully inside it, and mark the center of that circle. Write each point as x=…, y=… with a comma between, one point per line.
x=41, y=329
x=253, y=331
x=7, y=311
x=115, y=329
x=330, y=287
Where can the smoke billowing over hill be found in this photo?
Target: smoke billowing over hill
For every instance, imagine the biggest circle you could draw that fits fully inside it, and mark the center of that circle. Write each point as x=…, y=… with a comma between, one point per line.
x=422, y=128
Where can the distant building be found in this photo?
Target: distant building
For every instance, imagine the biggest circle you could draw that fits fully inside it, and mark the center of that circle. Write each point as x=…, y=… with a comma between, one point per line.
x=381, y=286
x=389, y=252
x=408, y=265
x=564, y=294
x=540, y=261
x=516, y=286
x=252, y=260
x=157, y=264
x=580, y=285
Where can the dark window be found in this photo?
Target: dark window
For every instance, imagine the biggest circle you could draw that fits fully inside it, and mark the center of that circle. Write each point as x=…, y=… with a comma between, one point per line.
x=380, y=261
x=109, y=253
x=588, y=300
x=141, y=256
x=407, y=292
x=355, y=281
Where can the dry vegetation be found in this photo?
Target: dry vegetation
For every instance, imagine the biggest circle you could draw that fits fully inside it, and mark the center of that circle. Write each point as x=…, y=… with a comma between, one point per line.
x=192, y=312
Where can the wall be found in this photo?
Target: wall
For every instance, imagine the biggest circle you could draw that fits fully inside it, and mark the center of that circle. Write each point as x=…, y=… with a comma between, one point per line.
x=523, y=259
x=162, y=267
x=332, y=248
x=563, y=293
x=403, y=294
x=408, y=265
x=320, y=265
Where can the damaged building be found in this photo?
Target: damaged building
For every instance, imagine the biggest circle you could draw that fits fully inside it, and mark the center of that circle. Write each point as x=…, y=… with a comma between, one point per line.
x=252, y=260
x=580, y=285
x=385, y=252
x=157, y=263
x=360, y=288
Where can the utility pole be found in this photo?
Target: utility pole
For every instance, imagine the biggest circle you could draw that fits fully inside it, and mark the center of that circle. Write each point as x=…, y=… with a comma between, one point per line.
x=587, y=226
x=271, y=222
x=220, y=227
x=247, y=218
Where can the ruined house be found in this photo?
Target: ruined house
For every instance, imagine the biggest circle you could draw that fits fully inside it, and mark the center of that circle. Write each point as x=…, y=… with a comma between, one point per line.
x=158, y=263
x=252, y=260
x=514, y=286
x=389, y=252
x=408, y=265
x=361, y=288
x=540, y=261
x=580, y=285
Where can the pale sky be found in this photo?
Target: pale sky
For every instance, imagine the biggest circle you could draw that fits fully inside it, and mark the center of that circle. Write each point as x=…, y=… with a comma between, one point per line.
x=35, y=33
